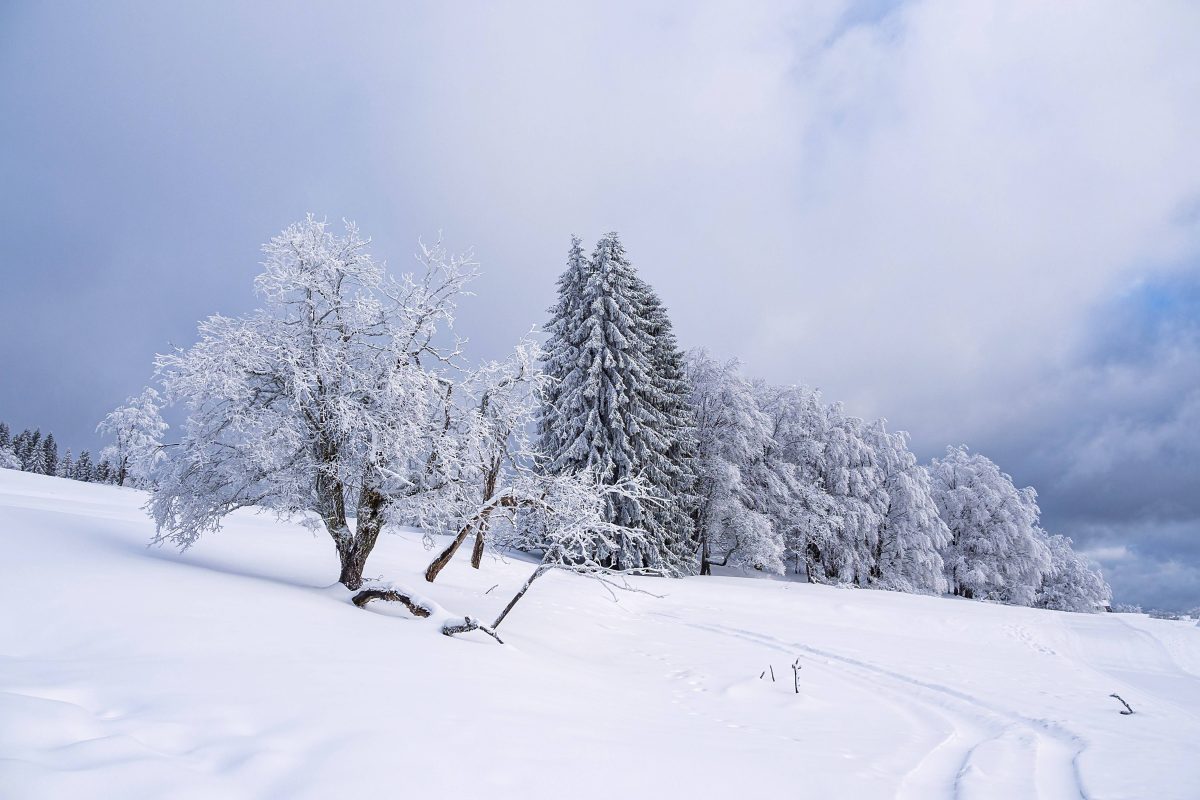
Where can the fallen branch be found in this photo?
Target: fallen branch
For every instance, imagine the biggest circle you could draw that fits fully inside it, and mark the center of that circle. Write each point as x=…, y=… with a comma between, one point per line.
x=1127, y=710
x=367, y=595
x=467, y=624
x=423, y=609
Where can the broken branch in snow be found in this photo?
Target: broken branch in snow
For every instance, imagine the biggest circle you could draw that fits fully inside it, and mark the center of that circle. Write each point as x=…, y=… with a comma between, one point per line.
x=1128, y=710
x=367, y=595
x=423, y=609
x=466, y=624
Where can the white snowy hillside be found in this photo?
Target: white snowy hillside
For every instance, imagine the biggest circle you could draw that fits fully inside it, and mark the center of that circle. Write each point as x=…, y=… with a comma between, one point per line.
x=232, y=671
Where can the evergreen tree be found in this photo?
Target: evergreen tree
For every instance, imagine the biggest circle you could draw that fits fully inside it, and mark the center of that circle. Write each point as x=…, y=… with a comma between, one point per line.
x=49, y=455
x=83, y=468
x=66, y=465
x=608, y=412
x=561, y=352
x=104, y=472
x=5, y=436
x=37, y=461
x=29, y=444
x=668, y=392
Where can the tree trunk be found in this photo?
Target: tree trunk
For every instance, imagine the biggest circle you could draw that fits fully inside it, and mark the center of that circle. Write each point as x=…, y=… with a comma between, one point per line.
x=489, y=489
x=477, y=551
x=438, y=564
x=354, y=549
x=705, y=563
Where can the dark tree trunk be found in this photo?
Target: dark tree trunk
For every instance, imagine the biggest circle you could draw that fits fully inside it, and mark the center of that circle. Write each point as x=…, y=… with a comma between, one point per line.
x=705, y=562
x=355, y=548
x=438, y=564
x=477, y=550
x=489, y=489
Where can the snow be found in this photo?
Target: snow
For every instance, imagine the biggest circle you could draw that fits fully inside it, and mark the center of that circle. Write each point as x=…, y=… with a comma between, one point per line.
x=233, y=670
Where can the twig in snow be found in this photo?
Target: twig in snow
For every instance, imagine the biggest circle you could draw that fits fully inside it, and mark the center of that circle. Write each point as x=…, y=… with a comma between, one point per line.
x=796, y=674
x=490, y=590
x=772, y=673
x=1127, y=710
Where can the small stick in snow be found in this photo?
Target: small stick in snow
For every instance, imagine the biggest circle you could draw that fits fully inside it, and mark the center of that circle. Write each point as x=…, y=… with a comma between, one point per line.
x=489, y=591
x=1127, y=710
x=796, y=674
x=761, y=674
x=772, y=673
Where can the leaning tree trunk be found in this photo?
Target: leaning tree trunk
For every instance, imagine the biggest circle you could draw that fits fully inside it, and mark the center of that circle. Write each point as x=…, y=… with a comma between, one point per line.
x=438, y=564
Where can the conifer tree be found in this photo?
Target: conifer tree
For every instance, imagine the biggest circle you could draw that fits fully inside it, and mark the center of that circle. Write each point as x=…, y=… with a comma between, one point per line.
x=83, y=468
x=609, y=412
x=5, y=436
x=49, y=455
x=66, y=465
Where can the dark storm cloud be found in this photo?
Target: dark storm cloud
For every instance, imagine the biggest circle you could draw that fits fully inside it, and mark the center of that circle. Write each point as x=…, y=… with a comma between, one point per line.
x=978, y=220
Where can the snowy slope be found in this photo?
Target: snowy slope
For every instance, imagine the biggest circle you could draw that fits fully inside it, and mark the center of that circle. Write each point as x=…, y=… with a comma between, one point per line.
x=230, y=672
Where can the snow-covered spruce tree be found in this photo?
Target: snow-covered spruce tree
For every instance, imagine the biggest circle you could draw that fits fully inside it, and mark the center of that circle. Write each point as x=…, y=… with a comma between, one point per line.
x=27, y=445
x=319, y=403
x=84, y=471
x=49, y=455
x=5, y=436
x=995, y=550
x=674, y=472
x=36, y=460
x=66, y=465
x=137, y=430
x=606, y=414
x=1071, y=584
x=734, y=477
x=560, y=355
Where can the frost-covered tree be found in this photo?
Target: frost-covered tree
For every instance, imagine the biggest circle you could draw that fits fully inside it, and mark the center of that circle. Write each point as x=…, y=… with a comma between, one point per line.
x=608, y=414
x=84, y=471
x=486, y=460
x=858, y=507
x=5, y=436
x=807, y=515
x=734, y=476
x=1071, y=583
x=9, y=459
x=104, y=472
x=320, y=403
x=136, y=429
x=907, y=557
x=995, y=550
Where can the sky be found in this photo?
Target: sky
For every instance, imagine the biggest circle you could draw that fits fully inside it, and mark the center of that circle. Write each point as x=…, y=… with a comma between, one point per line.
x=978, y=220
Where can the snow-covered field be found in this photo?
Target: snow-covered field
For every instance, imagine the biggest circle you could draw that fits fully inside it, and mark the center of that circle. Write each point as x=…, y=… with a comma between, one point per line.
x=232, y=671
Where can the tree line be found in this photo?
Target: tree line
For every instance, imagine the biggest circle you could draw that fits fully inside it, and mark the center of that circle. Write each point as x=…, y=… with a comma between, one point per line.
x=747, y=474
x=135, y=430
x=347, y=401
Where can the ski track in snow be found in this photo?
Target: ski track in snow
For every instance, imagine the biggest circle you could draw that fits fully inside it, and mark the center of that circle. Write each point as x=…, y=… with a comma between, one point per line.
x=1022, y=745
